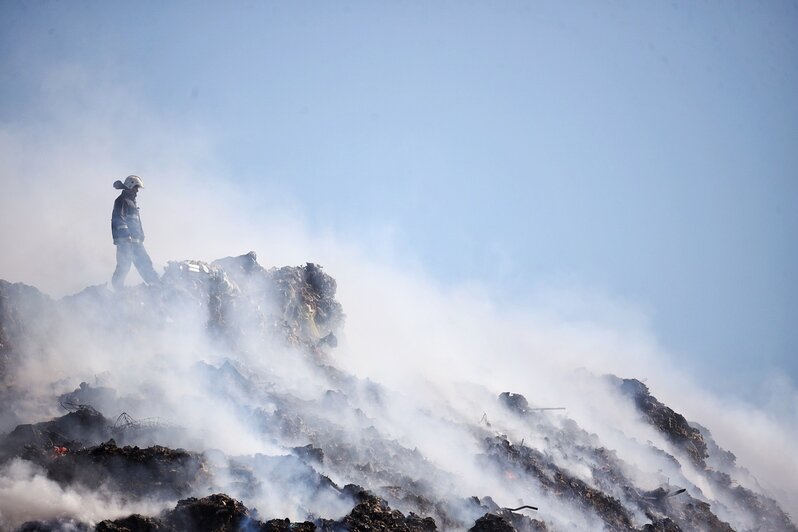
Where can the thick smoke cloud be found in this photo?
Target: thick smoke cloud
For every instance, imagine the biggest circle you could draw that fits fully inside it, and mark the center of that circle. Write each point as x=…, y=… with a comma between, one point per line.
x=26, y=494
x=459, y=337
x=435, y=347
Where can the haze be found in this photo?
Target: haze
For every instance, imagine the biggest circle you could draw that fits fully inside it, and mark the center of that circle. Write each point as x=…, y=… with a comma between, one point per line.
x=578, y=156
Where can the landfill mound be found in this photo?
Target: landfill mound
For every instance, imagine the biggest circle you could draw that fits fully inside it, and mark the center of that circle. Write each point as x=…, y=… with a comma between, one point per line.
x=213, y=401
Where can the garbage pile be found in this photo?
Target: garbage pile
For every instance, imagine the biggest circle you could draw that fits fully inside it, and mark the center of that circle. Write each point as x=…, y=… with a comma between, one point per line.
x=499, y=523
x=298, y=302
x=696, y=441
x=66, y=449
x=670, y=423
x=221, y=513
x=235, y=417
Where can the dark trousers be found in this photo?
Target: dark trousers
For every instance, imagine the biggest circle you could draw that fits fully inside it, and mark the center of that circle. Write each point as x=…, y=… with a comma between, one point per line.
x=132, y=252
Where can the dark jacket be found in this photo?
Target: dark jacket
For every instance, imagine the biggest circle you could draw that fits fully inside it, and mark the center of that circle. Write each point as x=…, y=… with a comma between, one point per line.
x=125, y=220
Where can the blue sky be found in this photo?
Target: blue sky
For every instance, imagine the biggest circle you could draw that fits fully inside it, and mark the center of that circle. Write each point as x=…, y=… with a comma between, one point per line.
x=644, y=152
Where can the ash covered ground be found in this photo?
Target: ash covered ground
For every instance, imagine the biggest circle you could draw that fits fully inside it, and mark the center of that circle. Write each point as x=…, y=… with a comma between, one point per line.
x=214, y=401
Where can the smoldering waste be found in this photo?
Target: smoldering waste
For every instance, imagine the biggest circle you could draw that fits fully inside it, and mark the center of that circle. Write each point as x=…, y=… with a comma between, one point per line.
x=329, y=458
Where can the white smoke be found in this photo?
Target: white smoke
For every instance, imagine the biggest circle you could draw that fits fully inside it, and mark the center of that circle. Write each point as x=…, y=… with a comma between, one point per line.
x=442, y=353
x=27, y=494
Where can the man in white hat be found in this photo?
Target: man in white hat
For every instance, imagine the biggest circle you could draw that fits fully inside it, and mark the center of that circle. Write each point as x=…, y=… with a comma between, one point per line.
x=129, y=236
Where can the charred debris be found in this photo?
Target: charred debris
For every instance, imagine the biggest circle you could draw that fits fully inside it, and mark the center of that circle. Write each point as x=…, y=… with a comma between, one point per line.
x=99, y=443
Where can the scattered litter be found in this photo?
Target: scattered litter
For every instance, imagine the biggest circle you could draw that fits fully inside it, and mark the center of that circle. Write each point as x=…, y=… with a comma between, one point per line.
x=124, y=422
x=520, y=508
x=76, y=407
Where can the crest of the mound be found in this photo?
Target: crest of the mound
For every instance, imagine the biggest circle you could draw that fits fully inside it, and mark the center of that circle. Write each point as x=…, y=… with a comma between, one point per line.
x=233, y=299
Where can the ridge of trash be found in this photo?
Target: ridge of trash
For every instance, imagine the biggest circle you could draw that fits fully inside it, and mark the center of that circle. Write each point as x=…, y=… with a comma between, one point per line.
x=297, y=306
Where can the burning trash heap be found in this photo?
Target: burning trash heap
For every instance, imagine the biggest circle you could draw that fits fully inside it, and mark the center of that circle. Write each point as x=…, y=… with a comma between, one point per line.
x=213, y=401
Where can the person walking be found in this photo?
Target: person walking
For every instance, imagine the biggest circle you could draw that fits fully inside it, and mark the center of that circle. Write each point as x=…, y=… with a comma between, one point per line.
x=129, y=236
